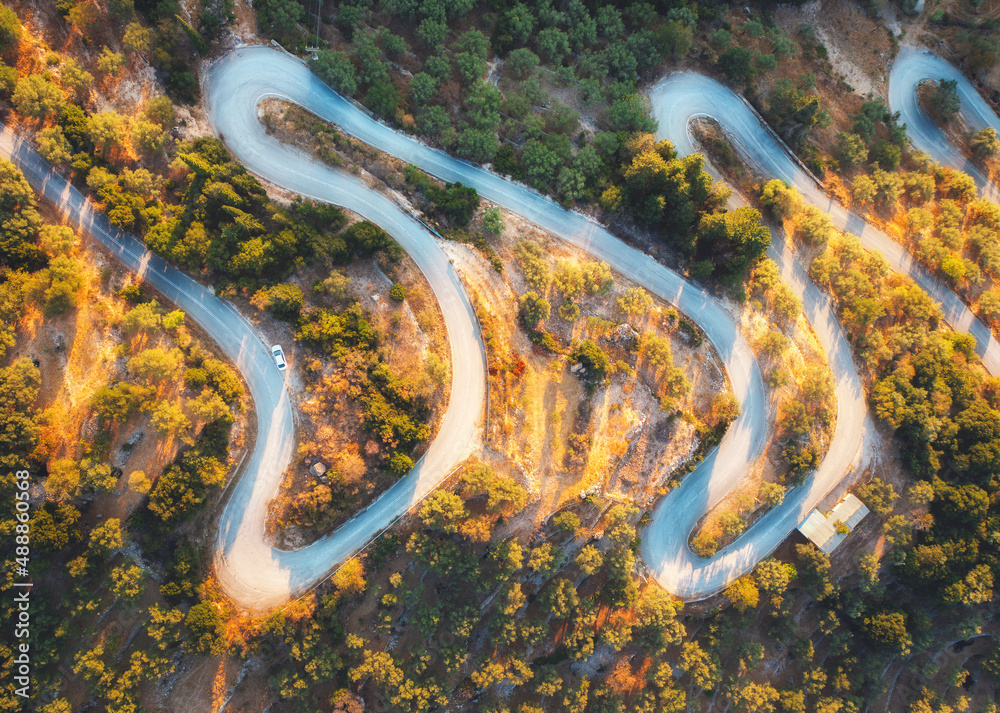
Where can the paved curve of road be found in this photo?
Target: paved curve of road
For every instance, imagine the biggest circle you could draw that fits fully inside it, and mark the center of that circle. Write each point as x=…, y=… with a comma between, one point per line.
x=676, y=101
x=256, y=575
x=240, y=81
x=253, y=572
x=234, y=335
x=259, y=576
x=664, y=544
x=914, y=66
x=679, y=98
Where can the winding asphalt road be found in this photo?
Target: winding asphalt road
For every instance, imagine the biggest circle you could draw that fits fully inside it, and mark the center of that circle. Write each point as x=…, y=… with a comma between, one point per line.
x=253, y=572
x=234, y=335
x=665, y=541
x=679, y=98
x=914, y=66
x=234, y=88
x=258, y=576
x=676, y=101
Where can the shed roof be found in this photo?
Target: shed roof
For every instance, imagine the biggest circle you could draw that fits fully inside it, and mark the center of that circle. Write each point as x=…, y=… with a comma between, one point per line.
x=822, y=530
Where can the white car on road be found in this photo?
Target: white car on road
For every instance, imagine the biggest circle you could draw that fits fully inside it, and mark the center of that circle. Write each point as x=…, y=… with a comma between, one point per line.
x=279, y=357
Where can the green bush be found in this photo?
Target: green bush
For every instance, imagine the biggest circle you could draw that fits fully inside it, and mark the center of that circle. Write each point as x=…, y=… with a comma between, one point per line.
x=400, y=464
x=223, y=380
x=534, y=309
x=131, y=293
x=206, y=627
x=545, y=340
x=195, y=378
x=10, y=29
x=364, y=239
x=593, y=359
x=455, y=202
x=337, y=70
x=183, y=487
x=283, y=301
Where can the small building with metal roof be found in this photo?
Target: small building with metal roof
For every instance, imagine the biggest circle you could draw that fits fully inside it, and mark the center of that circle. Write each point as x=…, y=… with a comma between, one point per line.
x=828, y=531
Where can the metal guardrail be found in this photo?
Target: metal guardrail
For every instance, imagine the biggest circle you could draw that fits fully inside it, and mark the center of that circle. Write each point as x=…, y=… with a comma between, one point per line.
x=784, y=147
